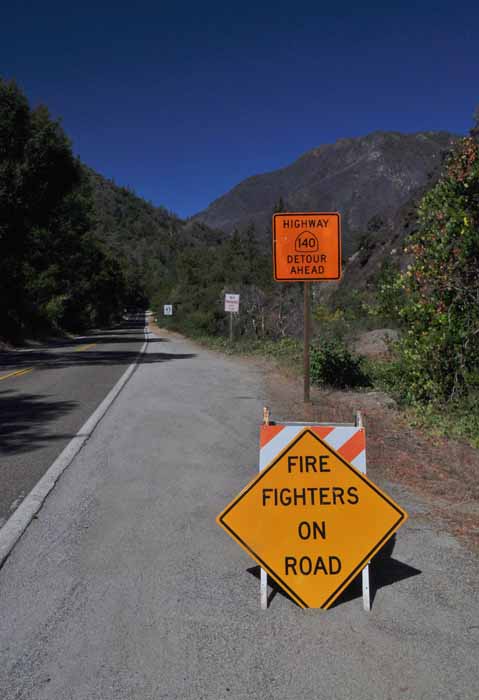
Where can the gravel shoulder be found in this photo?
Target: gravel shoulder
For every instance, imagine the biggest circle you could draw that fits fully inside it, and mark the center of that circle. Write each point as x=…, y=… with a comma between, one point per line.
x=442, y=473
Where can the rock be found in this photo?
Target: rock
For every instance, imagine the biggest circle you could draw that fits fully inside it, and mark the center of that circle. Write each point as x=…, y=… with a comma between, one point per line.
x=375, y=343
x=378, y=399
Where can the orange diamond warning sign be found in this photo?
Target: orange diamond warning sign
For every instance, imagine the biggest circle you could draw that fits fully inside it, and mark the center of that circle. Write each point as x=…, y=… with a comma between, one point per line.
x=306, y=247
x=311, y=520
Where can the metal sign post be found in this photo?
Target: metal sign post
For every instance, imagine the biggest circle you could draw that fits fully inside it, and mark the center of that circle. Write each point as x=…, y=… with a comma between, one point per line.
x=307, y=341
x=231, y=307
x=307, y=248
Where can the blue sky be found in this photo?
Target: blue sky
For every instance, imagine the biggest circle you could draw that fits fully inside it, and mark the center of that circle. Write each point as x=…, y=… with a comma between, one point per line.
x=181, y=101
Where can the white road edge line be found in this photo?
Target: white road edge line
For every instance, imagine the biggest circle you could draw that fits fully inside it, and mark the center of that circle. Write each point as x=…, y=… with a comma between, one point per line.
x=18, y=522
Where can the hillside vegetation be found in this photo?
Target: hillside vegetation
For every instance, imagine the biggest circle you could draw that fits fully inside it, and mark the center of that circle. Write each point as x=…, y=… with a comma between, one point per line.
x=436, y=299
x=75, y=249
x=148, y=238
x=55, y=274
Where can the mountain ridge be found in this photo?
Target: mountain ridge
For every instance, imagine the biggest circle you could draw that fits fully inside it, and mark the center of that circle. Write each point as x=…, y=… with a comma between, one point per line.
x=362, y=177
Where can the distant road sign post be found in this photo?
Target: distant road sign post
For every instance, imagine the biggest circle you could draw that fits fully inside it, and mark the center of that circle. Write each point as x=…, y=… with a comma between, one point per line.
x=168, y=310
x=307, y=248
x=310, y=518
x=232, y=307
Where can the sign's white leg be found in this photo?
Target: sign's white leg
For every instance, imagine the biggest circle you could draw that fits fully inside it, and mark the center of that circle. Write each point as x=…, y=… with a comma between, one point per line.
x=264, y=590
x=263, y=584
x=365, y=572
x=366, y=591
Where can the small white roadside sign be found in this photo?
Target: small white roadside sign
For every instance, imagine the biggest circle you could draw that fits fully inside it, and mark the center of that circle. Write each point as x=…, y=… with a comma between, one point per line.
x=168, y=310
x=232, y=303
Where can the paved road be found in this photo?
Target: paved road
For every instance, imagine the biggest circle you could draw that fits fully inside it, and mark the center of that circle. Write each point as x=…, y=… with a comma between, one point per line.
x=47, y=394
x=125, y=588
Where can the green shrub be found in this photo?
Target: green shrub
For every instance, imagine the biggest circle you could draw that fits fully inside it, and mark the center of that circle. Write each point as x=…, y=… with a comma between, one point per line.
x=285, y=349
x=457, y=419
x=436, y=297
x=332, y=364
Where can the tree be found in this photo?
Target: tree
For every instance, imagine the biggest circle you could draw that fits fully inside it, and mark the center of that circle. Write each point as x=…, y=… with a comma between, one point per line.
x=475, y=128
x=280, y=206
x=53, y=273
x=14, y=133
x=37, y=174
x=439, y=292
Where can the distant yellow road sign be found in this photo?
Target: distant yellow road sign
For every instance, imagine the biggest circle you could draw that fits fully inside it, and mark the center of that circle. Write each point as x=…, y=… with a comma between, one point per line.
x=311, y=520
x=307, y=247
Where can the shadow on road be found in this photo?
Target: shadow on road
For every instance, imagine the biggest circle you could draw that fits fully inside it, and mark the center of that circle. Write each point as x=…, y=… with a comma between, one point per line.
x=71, y=356
x=91, y=358
x=384, y=571
x=23, y=419
x=24, y=416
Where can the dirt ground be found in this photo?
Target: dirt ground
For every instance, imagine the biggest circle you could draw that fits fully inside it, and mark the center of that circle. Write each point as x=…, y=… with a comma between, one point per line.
x=443, y=473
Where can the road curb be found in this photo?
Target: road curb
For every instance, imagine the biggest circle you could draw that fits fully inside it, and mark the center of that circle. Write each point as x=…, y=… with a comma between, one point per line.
x=18, y=522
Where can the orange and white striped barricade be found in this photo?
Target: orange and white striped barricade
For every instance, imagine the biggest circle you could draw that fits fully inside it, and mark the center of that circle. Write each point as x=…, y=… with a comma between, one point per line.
x=347, y=439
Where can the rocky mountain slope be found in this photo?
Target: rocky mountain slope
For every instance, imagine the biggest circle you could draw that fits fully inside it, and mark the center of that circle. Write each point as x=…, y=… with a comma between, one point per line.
x=367, y=178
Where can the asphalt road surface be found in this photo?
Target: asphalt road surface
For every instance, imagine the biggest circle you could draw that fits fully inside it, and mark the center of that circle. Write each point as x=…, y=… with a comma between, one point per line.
x=46, y=395
x=124, y=587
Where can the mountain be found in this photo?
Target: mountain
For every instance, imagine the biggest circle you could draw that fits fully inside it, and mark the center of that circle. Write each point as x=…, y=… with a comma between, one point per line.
x=366, y=177
x=147, y=238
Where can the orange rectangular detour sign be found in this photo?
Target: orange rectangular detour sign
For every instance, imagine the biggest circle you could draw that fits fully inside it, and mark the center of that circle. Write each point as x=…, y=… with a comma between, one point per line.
x=306, y=246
